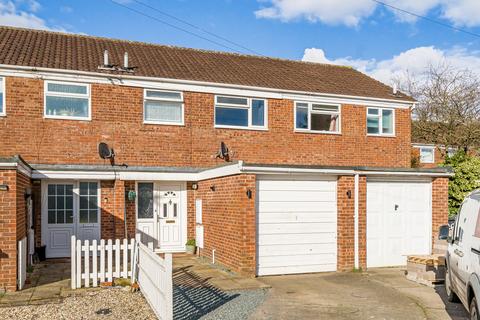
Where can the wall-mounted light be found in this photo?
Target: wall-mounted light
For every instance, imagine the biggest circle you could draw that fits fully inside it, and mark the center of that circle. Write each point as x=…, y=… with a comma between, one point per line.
x=212, y=188
x=249, y=194
x=4, y=187
x=131, y=195
x=194, y=186
x=349, y=194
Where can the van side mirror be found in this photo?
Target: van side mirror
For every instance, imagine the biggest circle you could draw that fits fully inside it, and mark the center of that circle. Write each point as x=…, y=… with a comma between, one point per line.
x=443, y=232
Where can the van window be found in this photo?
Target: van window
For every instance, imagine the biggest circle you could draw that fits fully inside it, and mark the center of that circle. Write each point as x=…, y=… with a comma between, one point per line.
x=458, y=236
x=476, y=234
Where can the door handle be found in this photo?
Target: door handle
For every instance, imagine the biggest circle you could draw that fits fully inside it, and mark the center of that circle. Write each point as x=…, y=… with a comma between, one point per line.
x=458, y=252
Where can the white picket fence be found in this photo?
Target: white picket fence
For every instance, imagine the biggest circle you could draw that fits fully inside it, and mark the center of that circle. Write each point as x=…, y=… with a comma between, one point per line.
x=155, y=281
x=101, y=261
x=97, y=262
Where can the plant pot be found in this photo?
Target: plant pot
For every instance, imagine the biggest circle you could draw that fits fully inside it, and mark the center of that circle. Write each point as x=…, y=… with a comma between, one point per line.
x=190, y=249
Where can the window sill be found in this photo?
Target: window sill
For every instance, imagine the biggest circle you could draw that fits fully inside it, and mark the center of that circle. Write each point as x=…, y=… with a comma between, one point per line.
x=433, y=162
x=381, y=135
x=317, y=132
x=240, y=128
x=163, y=123
x=68, y=118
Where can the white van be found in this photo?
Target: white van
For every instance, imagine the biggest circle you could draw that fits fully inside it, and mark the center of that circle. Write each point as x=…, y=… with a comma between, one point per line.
x=462, y=279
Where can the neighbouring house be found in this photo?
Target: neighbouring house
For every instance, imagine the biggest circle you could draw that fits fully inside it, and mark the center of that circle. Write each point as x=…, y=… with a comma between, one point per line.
x=314, y=173
x=428, y=155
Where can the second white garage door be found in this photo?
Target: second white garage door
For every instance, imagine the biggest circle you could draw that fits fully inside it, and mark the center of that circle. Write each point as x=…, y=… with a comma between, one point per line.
x=398, y=221
x=297, y=225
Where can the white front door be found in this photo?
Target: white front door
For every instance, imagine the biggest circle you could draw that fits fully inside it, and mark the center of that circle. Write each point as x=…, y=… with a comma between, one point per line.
x=297, y=224
x=161, y=214
x=398, y=221
x=170, y=224
x=69, y=208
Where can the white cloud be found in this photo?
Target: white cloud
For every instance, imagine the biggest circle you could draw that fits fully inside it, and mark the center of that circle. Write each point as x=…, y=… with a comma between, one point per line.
x=11, y=14
x=463, y=12
x=352, y=12
x=414, y=62
x=348, y=12
x=419, y=7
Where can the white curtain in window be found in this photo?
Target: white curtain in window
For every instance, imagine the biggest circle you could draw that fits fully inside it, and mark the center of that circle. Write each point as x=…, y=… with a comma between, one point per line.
x=163, y=111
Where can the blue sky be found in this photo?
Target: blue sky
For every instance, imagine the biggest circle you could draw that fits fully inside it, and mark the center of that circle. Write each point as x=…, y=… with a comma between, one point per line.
x=361, y=33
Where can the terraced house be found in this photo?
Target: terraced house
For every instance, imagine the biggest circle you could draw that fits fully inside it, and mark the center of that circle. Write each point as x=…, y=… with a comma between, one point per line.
x=274, y=166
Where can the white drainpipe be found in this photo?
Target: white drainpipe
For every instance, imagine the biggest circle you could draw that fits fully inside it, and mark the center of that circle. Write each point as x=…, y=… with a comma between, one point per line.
x=357, y=262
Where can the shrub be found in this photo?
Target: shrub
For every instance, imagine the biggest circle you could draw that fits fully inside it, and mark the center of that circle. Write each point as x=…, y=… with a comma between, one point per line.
x=465, y=180
x=190, y=242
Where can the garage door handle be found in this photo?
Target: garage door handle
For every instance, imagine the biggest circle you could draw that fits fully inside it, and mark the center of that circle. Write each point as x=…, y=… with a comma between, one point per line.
x=458, y=252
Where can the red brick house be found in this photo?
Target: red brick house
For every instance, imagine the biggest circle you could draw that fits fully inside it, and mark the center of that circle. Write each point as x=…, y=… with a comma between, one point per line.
x=317, y=176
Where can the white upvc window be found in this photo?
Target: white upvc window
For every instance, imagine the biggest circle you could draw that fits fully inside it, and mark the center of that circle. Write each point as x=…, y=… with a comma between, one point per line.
x=240, y=113
x=427, y=155
x=67, y=100
x=163, y=107
x=317, y=117
x=2, y=97
x=380, y=122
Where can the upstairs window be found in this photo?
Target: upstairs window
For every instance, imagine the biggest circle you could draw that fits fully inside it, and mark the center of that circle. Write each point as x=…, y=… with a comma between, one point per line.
x=67, y=101
x=380, y=122
x=427, y=154
x=317, y=117
x=239, y=112
x=2, y=96
x=163, y=107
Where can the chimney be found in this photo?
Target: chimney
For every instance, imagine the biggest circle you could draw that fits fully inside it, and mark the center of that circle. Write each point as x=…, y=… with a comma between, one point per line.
x=125, y=60
x=395, y=89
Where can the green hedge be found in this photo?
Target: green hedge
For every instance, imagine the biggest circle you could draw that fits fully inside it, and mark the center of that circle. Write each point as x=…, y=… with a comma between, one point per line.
x=465, y=180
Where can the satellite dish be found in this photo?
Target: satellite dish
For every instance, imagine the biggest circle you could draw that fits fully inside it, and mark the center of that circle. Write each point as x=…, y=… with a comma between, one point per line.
x=223, y=152
x=104, y=151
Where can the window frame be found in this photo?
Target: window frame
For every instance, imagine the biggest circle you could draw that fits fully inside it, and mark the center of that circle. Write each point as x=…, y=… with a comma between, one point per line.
x=3, y=111
x=168, y=123
x=154, y=193
x=248, y=107
x=420, y=154
x=310, y=104
x=380, y=119
x=68, y=95
x=99, y=204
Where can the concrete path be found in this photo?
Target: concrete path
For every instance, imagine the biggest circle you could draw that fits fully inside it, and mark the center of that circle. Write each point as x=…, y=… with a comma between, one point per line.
x=378, y=294
x=48, y=283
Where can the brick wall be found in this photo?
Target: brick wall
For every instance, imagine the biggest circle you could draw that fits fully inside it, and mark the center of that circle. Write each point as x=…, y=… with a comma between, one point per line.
x=113, y=204
x=439, y=205
x=8, y=232
x=229, y=221
x=117, y=114
x=346, y=223
x=23, y=183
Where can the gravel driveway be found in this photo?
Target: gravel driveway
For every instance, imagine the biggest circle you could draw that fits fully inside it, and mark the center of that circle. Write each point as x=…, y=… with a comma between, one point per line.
x=102, y=304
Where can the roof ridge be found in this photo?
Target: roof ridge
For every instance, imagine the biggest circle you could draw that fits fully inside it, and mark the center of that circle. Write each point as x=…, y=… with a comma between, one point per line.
x=79, y=35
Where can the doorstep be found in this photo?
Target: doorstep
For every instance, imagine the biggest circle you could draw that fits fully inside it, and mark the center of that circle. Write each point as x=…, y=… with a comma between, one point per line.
x=185, y=265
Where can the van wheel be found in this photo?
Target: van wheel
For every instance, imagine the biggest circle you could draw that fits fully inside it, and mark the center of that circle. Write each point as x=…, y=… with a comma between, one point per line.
x=474, y=310
x=451, y=296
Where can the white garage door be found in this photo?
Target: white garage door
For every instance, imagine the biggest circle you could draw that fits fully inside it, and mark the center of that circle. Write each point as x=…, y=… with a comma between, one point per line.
x=398, y=221
x=297, y=225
